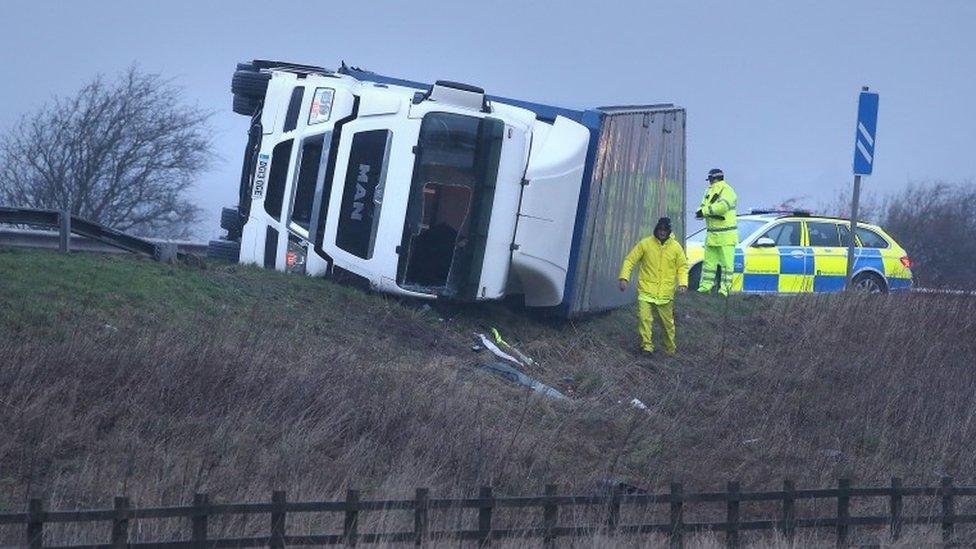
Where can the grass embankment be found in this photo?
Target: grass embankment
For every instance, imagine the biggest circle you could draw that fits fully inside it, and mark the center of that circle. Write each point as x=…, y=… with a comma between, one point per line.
x=119, y=375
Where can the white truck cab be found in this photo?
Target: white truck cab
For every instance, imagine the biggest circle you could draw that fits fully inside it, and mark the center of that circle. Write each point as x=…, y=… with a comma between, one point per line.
x=425, y=191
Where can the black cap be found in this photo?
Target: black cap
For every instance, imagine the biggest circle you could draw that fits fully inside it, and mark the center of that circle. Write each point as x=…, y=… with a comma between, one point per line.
x=715, y=173
x=663, y=223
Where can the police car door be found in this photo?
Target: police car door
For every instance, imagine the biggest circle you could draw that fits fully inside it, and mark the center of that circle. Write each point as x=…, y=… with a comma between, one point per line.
x=776, y=261
x=829, y=258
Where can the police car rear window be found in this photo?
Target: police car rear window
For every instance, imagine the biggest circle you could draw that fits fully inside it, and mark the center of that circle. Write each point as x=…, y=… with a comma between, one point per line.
x=871, y=239
x=823, y=234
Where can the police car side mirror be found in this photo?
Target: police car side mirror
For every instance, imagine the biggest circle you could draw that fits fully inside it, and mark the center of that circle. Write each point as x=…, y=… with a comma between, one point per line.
x=764, y=242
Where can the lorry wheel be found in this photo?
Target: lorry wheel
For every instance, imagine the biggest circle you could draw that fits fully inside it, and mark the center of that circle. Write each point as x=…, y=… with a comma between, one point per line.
x=230, y=221
x=224, y=250
x=250, y=84
x=869, y=283
x=247, y=106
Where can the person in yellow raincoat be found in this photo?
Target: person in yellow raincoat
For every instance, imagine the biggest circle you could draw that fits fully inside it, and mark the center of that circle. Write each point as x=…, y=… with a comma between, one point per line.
x=662, y=268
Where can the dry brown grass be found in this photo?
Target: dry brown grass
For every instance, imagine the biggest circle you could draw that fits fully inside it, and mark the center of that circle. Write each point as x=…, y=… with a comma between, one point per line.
x=255, y=381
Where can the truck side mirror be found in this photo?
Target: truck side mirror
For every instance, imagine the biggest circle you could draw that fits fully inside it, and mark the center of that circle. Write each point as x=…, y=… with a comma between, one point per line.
x=764, y=242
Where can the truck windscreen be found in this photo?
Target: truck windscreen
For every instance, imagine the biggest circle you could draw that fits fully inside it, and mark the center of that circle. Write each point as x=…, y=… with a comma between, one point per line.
x=450, y=203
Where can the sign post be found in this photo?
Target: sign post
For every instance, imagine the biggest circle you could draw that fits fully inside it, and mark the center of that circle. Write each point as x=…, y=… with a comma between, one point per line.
x=864, y=138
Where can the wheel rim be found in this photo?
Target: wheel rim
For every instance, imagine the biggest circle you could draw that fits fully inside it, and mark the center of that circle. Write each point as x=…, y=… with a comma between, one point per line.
x=868, y=285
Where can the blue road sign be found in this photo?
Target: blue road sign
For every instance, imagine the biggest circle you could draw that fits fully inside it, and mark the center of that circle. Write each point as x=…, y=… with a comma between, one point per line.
x=867, y=126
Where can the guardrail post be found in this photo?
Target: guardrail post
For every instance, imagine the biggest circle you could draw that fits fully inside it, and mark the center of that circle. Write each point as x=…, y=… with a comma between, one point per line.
x=613, y=510
x=278, y=516
x=166, y=252
x=843, y=511
x=550, y=517
x=895, y=505
x=676, y=531
x=64, y=230
x=350, y=524
x=35, y=524
x=789, y=511
x=420, y=516
x=120, y=523
x=948, y=509
x=484, y=516
x=200, y=511
x=732, y=516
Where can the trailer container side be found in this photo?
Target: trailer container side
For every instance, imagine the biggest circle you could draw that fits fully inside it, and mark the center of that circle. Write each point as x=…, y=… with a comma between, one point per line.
x=637, y=157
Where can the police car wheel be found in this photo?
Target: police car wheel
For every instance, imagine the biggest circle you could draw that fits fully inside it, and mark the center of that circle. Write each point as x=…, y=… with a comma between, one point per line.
x=869, y=283
x=224, y=250
x=246, y=105
x=694, y=277
x=250, y=84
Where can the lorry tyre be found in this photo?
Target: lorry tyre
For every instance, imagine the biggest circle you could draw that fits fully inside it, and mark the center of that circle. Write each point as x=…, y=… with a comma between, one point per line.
x=869, y=283
x=247, y=106
x=224, y=250
x=230, y=221
x=250, y=84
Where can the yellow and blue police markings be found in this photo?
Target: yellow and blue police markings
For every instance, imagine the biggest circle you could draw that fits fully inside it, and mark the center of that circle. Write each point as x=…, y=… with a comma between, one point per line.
x=808, y=269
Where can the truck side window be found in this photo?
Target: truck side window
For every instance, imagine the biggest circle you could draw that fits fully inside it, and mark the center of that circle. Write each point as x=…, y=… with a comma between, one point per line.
x=359, y=211
x=280, y=160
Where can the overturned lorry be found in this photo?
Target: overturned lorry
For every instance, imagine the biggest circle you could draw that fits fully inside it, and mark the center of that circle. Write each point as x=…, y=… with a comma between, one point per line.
x=443, y=192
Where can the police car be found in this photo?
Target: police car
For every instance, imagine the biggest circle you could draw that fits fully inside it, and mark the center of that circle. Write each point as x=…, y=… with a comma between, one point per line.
x=796, y=252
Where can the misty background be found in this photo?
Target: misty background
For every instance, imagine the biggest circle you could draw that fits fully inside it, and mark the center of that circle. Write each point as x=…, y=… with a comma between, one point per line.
x=770, y=87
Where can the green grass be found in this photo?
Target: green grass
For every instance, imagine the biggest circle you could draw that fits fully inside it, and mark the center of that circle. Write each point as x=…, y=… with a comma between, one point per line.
x=121, y=374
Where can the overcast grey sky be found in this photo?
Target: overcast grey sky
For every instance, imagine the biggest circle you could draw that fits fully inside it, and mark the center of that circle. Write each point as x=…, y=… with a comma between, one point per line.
x=770, y=86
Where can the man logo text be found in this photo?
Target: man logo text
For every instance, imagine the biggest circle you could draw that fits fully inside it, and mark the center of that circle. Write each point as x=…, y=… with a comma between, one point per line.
x=357, y=203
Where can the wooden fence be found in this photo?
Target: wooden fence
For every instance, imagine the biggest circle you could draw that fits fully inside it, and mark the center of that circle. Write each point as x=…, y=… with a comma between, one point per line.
x=781, y=504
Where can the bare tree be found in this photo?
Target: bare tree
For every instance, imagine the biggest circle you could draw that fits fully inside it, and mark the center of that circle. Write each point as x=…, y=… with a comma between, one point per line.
x=121, y=153
x=936, y=224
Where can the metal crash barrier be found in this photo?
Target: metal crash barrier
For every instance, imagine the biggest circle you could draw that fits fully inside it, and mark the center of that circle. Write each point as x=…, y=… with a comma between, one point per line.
x=67, y=225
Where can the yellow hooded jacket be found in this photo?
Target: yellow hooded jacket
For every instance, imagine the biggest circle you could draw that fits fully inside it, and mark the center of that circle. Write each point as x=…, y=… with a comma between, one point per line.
x=663, y=267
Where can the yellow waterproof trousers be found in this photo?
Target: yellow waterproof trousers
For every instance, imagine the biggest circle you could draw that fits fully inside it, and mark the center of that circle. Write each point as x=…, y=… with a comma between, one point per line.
x=665, y=314
x=715, y=257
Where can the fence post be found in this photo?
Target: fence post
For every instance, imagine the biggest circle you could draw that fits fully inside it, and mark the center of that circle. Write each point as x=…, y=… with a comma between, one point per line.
x=351, y=524
x=948, y=509
x=420, y=516
x=484, y=516
x=789, y=511
x=278, y=499
x=120, y=523
x=677, y=515
x=199, y=521
x=843, y=511
x=35, y=523
x=613, y=510
x=550, y=517
x=896, y=506
x=64, y=231
x=732, y=516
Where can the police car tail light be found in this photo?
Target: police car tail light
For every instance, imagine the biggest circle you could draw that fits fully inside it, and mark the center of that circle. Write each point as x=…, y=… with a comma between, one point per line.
x=906, y=262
